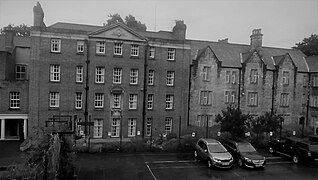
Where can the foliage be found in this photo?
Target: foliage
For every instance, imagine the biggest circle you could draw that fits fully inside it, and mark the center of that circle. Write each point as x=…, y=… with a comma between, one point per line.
x=130, y=21
x=20, y=30
x=234, y=121
x=308, y=46
x=267, y=122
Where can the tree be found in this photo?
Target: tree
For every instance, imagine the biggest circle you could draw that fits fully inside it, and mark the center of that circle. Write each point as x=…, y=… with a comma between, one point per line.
x=20, y=30
x=130, y=21
x=308, y=46
x=267, y=122
x=234, y=121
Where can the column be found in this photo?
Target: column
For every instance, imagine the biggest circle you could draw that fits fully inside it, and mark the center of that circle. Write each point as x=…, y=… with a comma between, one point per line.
x=2, y=129
x=25, y=128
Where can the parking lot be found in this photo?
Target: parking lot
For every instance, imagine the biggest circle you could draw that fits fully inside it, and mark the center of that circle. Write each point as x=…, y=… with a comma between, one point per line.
x=181, y=166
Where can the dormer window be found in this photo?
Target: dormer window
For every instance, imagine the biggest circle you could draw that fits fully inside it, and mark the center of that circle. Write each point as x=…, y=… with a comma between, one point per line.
x=100, y=47
x=55, y=45
x=134, y=50
x=118, y=49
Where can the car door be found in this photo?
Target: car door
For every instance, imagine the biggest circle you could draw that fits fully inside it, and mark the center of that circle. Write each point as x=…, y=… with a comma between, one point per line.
x=205, y=151
x=201, y=147
x=280, y=145
x=288, y=147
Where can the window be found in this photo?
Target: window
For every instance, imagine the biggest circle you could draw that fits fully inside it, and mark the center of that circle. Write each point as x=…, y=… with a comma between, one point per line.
x=134, y=50
x=14, y=100
x=115, y=127
x=284, y=99
x=152, y=52
x=54, y=99
x=227, y=96
x=78, y=100
x=287, y=119
x=79, y=74
x=100, y=47
x=116, y=100
x=99, y=100
x=169, y=101
x=232, y=97
x=171, y=54
x=99, y=75
x=117, y=76
x=20, y=72
x=170, y=78
x=55, y=45
x=118, y=49
x=253, y=76
x=227, y=76
x=202, y=120
x=80, y=46
x=148, y=126
x=313, y=101
x=98, y=128
x=198, y=122
x=168, y=125
x=134, y=76
x=315, y=81
x=206, y=73
x=132, y=101
x=150, y=101
x=210, y=120
x=285, y=77
x=252, y=99
x=206, y=98
x=131, y=127
x=55, y=73
x=151, y=76
x=233, y=77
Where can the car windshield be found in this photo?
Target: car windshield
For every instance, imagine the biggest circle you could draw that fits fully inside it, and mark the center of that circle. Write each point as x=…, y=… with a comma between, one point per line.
x=246, y=147
x=313, y=147
x=216, y=148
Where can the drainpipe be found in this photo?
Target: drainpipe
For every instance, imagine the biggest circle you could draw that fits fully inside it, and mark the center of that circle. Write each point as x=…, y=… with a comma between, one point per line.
x=144, y=91
x=239, y=89
x=308, y=99
x=86, y=86
x=189, y=89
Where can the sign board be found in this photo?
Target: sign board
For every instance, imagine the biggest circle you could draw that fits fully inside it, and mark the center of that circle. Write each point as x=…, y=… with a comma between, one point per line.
x=86, y=123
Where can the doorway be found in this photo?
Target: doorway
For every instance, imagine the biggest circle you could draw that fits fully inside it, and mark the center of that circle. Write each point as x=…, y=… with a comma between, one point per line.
x=14, y=129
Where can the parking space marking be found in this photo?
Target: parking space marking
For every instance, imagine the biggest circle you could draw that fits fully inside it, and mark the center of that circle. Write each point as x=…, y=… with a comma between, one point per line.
x=162, y=162
x=236, y=174
x=179, y=167
x=280, y=162
x=154, y=177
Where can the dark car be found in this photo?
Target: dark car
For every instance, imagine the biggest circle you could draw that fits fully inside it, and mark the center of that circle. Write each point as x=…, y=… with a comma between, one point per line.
x=299, y=149
x=214, y=153
x=244, y=153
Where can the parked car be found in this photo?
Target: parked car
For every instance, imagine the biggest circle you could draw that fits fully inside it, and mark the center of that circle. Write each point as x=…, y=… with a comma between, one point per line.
x=299, y=149
x=244, y=153
x=214, y=153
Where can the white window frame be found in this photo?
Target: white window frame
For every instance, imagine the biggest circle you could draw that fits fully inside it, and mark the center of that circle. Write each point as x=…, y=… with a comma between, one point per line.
x=79, y=74
x=169, y=101
x=148, y=126
x=233, y=93
x=55, y=72
x=133, y=76
x=170, y=78
x=151, y=77
x=133, y=98
x=253, y=76
x=132, y=127
x=206, y=98
x=99, y=100
x=168, y=125
x=115, y=127
x=171, y=54
x=284, y=99
x=80, y=46
x=99, y=75
x=314, y=100
x=227, y=76
x=252, y=99
x=117, y=72
x=14, y=100
x=118, y=48
x=314, y=81
x=206, y=73
x=152, y=51
x=20, y=72
x=150, y=100
x=233, y=79
x=98, y=128
x=226, y=97
x=285, y=78
x=56, y=45
x=54, y=100
x=100, y=47
x=78, y=100
x=134, y=50
x=116, y=101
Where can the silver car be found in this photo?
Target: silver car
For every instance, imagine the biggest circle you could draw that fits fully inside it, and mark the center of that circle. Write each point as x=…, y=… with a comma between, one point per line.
x=213, y=152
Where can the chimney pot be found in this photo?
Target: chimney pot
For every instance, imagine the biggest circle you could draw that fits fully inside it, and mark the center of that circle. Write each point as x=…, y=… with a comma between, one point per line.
x=179, y=30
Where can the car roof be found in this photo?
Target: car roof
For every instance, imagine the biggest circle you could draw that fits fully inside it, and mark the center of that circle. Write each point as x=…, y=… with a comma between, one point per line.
x=210, y=141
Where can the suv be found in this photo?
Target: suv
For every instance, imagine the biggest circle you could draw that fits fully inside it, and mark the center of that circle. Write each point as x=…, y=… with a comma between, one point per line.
x=299, y=149
x=213, y=152
x=244, y=153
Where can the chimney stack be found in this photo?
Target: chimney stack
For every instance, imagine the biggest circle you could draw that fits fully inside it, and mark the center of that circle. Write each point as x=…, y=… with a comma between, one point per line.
x=226, y=40
x=256, y=39
x=38, y=16
x=179, y=30
x=9, y=34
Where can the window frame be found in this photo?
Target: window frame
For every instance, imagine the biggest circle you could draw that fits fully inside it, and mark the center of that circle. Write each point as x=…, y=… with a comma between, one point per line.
x=78, y=100
x=284, y=100
x=152, y=52
x=99, y=75
x=100, y=45
x=227, y=77
x=149, y=126
x=150, y=100
x=80, y=46
x=56, y=45
x=54, y=99
x=118, y=49
x=206, y=98
x=133, y=101
x=253, y=99
x=79, y=77
x=98, y=128
x=117, y=75
x=115, y=127
x=151, y=77
x=285, y=77
x=132, y=124
x=19, y=74
x=253, y=76
x=171, y=54
x=170, y=79
x=99, y=100
x=134, y=51
x=133, y=76
x=206, y=73
x=168, y=125
x=169, y=101
x=115, y=101
x=14, y=100
x=55, y=76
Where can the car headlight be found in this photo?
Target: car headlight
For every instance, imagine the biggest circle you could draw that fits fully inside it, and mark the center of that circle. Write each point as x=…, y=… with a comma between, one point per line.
x=309, y=153
x=247, y=159
x=216, y=160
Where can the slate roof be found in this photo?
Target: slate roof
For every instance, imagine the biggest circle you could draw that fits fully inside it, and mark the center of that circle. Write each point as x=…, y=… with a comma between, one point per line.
x=312, y=62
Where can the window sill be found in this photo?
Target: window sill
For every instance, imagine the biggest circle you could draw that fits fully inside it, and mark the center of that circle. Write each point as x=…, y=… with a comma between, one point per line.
x=97, y=83
x=133, y=84
x=100, y=54
x=150, y=58
x=171, y=60
x=79, y=82
x=252, y=105
x=80, y=53
x=133, y=109
x=169, y=109
x=78, y=109
x=149, y=109
x=57, y=52
x=284, y=106
x=117, y=83
x=53, y=108
x=98, y=108
x=14, y=109
x=118, y=56
x=151, y=85
x=134, y=57
x=170, y=85
x=55, y=81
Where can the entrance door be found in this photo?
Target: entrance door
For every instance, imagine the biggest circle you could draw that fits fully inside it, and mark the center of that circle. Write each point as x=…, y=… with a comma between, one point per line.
x=14, y=129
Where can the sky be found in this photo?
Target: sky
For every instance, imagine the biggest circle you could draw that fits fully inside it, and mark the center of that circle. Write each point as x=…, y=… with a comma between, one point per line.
x=283, y=22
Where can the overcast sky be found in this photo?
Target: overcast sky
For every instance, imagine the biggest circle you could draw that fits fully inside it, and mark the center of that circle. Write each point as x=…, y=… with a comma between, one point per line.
x=283, y=22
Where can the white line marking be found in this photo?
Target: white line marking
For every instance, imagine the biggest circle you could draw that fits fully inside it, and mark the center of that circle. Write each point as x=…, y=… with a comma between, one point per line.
x=154, y=177
x=271, y=163
x=160, y=162
x=238, y=175
x=179, y=167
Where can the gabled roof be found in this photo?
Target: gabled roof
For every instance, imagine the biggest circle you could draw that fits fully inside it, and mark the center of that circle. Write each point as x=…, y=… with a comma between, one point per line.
x=312, y=62
x=278, y=60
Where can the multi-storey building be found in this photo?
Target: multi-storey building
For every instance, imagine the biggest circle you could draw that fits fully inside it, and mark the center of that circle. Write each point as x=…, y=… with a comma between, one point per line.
x=14, y=60
x=128, y=83
x=254, y=78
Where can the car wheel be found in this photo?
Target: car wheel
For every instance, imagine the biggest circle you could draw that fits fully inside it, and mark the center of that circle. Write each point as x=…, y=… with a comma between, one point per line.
x=271, y=150
x=295, y=159
x=240, y=163
x=209, y=163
